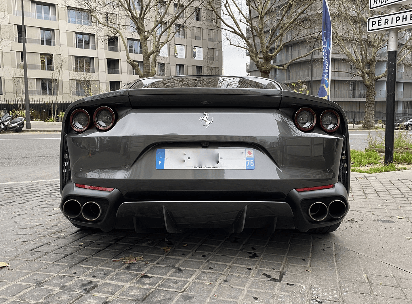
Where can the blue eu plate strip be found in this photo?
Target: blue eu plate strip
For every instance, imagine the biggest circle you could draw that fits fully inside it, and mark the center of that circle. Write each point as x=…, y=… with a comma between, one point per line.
x=160, y=158
x=250, y=160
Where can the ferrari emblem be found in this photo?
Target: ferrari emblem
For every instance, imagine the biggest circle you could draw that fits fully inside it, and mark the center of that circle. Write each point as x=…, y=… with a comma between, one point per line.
x=206, y=120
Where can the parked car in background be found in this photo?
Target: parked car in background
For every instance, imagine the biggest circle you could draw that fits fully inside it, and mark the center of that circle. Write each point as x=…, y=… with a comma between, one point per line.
x=205, y=151
x=407, y=125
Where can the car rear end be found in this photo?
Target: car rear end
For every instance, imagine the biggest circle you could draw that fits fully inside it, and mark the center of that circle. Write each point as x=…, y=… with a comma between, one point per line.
x=204, y=157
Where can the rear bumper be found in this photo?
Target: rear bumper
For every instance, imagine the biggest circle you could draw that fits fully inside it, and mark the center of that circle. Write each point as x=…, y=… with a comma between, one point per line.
x=216, y=212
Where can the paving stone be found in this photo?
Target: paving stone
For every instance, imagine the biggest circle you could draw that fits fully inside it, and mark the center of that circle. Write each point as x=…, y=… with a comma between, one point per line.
x=160, y=296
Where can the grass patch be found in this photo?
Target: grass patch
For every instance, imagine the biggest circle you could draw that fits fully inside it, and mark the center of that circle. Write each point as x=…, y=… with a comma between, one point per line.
x=371, y=160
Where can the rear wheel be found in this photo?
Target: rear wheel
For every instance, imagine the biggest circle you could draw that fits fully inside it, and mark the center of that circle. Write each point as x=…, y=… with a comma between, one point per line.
x=323, y=230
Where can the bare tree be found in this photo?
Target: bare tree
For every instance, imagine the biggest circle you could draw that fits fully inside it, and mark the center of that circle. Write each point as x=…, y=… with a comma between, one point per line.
x=155, y=22
x=362, y=49
x=264, y=27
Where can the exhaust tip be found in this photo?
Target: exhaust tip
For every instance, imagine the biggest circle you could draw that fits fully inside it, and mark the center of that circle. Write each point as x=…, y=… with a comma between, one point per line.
x=318, y=211
x=337, y=209
x=72, y=208
x=91, y=211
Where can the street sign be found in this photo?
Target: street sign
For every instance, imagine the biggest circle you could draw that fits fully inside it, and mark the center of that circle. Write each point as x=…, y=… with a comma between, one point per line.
x=390, y=21
x=374, y=4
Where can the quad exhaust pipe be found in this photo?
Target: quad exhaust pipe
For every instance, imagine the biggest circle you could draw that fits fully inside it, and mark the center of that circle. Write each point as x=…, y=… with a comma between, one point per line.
x=72, y=208
x=91, y=211
x=337, y=209
x=318, y=211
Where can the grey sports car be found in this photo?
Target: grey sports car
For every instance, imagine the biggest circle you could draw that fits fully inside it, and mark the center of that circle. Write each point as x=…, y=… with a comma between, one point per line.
x=205, y=151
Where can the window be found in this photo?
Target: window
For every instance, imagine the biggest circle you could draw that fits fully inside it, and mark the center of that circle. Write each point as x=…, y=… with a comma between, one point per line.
x=161, y=5
x=199, y=70
x=134, y=46
x=85, y=41
x=112, y=44
x=198, y=33
x=212, y=36
x=198, y=53
x=78, y=16
x=20, y=34
x=134, y=70
x=179, y=31
x=110, y=18
x=113, y=66
x=197, y=14
x=46, y=37
x=180, y=69
x=46, y=62
x=211, y=54
x=83, y=88
x=161, y=28
x=114, y=85
x=161, y=69
x=44, y=11
x=84, y=64
x=180, y=51
x=178, y=8
x=46, y=87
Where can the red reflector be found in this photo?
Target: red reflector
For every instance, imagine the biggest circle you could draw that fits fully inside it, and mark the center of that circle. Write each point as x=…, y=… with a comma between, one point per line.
x=94, y=187
x=314, y=188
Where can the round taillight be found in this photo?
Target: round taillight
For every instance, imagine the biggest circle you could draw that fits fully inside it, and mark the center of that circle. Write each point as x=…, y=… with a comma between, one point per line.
x=305, y=119
x=329, y=121
x=104, y=118
x=79, y=120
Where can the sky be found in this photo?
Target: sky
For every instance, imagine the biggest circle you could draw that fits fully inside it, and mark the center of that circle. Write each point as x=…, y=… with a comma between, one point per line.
x=234, y=60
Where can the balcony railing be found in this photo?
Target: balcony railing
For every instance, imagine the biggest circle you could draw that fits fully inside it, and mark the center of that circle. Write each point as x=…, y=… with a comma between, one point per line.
x=113, y=48
x=348, y=94
x=43, y=92
x=90, y=47
x=84, y=70
x=36, y=16
x=37, y=67
x=35, y=41
x=80, y=93
x=113, y=71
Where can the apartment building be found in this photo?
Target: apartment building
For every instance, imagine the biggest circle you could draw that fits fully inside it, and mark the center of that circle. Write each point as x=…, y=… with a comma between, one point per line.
x=69, y=57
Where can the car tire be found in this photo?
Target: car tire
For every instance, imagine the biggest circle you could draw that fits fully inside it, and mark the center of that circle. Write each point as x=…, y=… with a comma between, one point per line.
x=323, y=230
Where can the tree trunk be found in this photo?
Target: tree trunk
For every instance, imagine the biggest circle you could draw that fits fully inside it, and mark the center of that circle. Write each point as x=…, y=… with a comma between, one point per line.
x=264, y=74
x=369, y=119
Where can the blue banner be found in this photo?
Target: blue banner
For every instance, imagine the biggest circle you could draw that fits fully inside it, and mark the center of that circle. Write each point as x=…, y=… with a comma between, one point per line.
x=324, y=89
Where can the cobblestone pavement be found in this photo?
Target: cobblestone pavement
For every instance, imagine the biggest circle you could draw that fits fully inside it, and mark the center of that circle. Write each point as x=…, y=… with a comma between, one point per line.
x=367, y=260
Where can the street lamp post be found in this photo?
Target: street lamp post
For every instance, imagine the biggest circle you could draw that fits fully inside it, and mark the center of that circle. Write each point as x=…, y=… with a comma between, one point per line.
x=26, y=83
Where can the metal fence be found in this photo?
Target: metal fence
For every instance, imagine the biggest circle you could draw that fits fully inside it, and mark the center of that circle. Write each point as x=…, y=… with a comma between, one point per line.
x=39, y=109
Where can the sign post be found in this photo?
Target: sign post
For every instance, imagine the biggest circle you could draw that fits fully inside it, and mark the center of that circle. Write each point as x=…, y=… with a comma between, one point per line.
x=390, y=22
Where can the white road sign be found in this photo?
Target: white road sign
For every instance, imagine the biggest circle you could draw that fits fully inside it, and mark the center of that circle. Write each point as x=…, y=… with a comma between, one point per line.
x=374, y=4
x=394, y=20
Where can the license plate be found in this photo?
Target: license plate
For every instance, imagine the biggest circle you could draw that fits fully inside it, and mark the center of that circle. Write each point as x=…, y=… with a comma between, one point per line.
x=225, y=158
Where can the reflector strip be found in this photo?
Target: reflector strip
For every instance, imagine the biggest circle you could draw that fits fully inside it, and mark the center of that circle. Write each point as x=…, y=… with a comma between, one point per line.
x=94, y=187
x=314, y=188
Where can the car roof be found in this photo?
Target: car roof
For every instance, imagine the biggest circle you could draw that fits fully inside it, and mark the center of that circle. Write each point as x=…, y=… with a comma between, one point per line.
x=204, y=81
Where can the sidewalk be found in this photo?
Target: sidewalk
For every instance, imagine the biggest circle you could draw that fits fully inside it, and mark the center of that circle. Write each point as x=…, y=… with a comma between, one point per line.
x=41, y=126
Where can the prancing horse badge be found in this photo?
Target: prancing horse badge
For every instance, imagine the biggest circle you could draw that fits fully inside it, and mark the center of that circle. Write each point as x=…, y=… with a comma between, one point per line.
x=206, y=120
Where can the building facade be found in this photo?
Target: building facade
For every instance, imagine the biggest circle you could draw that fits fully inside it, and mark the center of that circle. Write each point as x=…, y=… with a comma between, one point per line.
x=348, y=91
x=69, y=57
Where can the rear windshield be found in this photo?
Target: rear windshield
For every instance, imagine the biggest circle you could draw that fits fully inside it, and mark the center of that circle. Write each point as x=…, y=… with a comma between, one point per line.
x=224, y=82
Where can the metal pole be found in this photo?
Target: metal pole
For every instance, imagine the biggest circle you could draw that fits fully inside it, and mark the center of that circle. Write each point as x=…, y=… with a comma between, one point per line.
x=390, y=95
x=26, y=83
